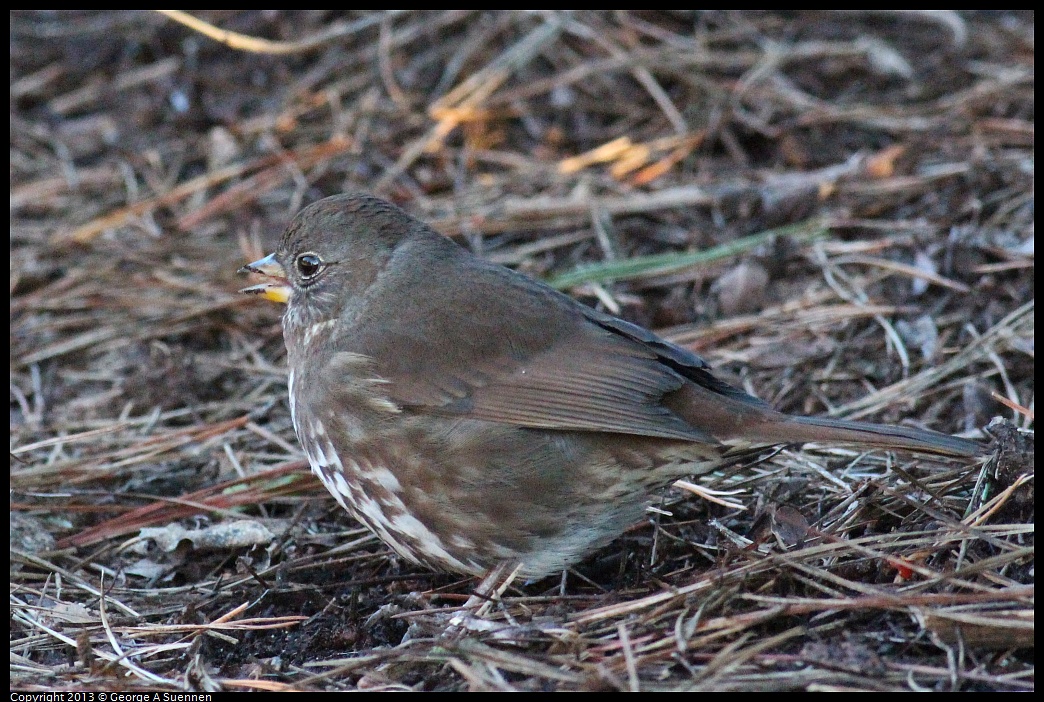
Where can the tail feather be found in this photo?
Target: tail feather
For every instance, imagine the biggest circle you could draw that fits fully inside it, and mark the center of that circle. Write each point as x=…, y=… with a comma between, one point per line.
x=827, y=430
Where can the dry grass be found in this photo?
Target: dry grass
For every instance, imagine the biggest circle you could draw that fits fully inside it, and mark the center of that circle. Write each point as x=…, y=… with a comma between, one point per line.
x=835, y=208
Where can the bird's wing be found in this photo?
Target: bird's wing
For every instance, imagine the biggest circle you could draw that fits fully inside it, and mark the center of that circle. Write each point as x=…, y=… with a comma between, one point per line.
x=511, y=352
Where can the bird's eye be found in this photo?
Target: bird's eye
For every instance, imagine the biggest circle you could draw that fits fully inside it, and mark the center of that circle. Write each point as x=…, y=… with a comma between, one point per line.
x=308, y=265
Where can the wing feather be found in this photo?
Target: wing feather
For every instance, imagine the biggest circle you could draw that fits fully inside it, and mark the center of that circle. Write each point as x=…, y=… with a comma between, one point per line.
x=498, y=347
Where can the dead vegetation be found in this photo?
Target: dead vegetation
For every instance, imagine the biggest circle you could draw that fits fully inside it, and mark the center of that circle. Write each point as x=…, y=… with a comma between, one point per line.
x=834, y=208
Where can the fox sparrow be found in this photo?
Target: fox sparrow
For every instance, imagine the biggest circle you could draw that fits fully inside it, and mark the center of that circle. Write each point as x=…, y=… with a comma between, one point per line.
x=470, y=416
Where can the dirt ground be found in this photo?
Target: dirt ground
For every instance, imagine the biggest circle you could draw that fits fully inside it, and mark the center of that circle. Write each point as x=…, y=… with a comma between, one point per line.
x=834, y=209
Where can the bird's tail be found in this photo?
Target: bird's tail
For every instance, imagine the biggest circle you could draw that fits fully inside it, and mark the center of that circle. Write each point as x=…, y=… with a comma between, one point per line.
x=842, y=431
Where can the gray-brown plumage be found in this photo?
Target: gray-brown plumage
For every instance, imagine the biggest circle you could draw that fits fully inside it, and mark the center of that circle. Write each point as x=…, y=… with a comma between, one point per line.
x=470, y=415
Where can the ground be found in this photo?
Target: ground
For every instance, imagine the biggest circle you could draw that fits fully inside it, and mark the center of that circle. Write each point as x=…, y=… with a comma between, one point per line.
x=834, y=209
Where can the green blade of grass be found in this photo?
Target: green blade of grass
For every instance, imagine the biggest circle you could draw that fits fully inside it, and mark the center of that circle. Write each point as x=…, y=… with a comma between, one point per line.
x=664, y=264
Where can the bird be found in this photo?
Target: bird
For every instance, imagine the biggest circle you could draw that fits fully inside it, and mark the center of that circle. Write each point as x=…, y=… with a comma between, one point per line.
x=471, y=416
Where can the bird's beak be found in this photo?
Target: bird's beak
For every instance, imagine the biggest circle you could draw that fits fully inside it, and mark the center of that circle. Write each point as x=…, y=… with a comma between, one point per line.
x=277, y=289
